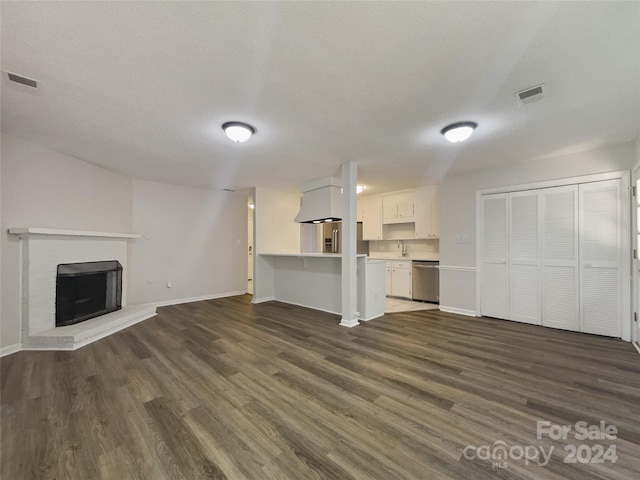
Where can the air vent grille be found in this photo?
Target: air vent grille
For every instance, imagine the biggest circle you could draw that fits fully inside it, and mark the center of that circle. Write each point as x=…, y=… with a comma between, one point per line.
x=530, y=95
x=29, y=82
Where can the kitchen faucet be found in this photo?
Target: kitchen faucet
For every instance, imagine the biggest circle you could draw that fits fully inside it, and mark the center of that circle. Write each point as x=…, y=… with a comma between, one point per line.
x=404, y=247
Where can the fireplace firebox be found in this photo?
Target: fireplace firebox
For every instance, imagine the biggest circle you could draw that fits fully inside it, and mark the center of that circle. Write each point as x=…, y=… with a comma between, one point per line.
x=87, y=290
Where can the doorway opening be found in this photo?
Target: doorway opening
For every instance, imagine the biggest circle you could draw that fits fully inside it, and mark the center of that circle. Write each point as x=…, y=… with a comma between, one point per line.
x=636, y=247
x=250, y=209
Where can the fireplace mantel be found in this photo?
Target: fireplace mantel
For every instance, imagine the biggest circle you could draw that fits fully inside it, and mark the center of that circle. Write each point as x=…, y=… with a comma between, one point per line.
x=43, y=250
x=26, y=231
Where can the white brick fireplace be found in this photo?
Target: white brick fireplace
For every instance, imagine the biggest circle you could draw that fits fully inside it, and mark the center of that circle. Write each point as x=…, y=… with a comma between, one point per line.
x=42, y=251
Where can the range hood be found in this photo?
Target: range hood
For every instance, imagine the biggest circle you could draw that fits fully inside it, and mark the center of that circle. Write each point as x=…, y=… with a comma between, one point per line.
x=321, y=201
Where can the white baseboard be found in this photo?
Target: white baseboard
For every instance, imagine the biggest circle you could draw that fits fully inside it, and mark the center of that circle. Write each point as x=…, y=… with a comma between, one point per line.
x=178, y=301
x=9, y=349
x=635, y=344
x=262, y=300
x=299, y=305
x=459, y=311
x=349, y=323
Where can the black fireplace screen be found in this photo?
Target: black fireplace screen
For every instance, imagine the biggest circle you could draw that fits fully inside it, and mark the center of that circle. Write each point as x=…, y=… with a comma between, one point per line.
x=87, y=290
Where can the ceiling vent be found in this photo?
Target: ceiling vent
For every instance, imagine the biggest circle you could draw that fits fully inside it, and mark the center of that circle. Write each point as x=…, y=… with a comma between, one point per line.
x=530, y=95
x=29, y=82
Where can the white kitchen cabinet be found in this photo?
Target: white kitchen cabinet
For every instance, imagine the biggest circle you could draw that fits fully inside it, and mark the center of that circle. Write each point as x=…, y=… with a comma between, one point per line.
x=399, y=279
x=371, y=217
x=398, y=207
x=435, y=213
x=427, y=212
x=388, y=283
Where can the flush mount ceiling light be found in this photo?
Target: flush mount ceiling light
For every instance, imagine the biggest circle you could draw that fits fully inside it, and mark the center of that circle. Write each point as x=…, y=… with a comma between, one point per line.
x=458, y=132
x=238, y=131
x=360, y=188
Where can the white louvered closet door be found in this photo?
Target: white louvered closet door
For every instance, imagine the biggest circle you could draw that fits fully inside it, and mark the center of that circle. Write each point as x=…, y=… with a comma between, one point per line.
x=524, y=254
x=600, y=247
x=560, y=272
x=495, y=272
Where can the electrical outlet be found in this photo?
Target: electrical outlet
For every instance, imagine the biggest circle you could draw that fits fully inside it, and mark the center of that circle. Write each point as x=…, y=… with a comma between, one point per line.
x=465, y=239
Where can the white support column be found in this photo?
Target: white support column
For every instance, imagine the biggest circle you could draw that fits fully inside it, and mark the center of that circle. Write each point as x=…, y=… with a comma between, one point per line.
x=349, y=252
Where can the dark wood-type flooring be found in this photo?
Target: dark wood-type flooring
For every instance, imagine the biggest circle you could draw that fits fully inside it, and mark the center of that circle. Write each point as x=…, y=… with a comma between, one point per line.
x=226, y=389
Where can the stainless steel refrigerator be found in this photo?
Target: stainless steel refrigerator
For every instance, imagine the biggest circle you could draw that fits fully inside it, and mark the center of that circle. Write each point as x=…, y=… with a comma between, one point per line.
x=332, y=238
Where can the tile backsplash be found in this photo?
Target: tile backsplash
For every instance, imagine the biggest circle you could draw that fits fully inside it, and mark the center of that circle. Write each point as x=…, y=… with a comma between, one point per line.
x=394, y=247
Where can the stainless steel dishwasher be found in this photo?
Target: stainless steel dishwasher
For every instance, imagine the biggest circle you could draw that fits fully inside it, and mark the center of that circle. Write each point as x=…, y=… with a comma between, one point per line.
x=426, y=281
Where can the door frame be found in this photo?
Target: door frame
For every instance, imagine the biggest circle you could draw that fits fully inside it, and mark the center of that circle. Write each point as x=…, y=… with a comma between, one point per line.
x=635, y=262
x=626, y=311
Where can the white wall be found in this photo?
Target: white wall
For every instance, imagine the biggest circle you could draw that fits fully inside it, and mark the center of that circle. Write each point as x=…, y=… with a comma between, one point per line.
x=310, y=236
x=194, y=238
x=458, y=209
x=275, y=232
x=1, y=224
x=192, y=233
x=42, y=188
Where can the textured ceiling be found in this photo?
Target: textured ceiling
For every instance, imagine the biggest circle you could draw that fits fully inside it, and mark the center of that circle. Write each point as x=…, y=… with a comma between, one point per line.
x=143, y=87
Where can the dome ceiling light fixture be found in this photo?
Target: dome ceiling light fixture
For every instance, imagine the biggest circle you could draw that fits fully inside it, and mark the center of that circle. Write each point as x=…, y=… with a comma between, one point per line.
x=458, y=132
x=238, y=131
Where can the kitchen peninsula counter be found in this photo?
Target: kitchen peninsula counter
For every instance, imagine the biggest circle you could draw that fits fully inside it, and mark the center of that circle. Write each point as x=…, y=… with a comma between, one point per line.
x=314, y=280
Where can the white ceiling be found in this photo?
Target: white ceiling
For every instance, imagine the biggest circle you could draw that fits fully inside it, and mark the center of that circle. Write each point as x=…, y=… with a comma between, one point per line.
x=143, y=87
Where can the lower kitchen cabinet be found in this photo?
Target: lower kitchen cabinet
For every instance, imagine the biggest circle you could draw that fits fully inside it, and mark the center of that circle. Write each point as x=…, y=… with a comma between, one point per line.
x=399, y=278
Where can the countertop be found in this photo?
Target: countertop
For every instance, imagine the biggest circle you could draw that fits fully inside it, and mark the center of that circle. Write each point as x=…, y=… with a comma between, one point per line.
x=308, y=255
x=424, y=258
x=370, y=258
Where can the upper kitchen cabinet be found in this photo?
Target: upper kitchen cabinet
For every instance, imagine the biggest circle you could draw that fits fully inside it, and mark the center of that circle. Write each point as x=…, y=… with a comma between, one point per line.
x=427, y=212
x=371, y=216
x=398, y=207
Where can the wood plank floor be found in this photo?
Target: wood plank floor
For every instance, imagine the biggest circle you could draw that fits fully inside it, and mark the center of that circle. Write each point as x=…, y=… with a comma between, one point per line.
x=226, y=389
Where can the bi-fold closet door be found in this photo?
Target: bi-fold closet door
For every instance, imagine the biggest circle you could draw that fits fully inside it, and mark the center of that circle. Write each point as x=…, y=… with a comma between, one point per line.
x=560, y=278
x=552, y=257
x=600, y=258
